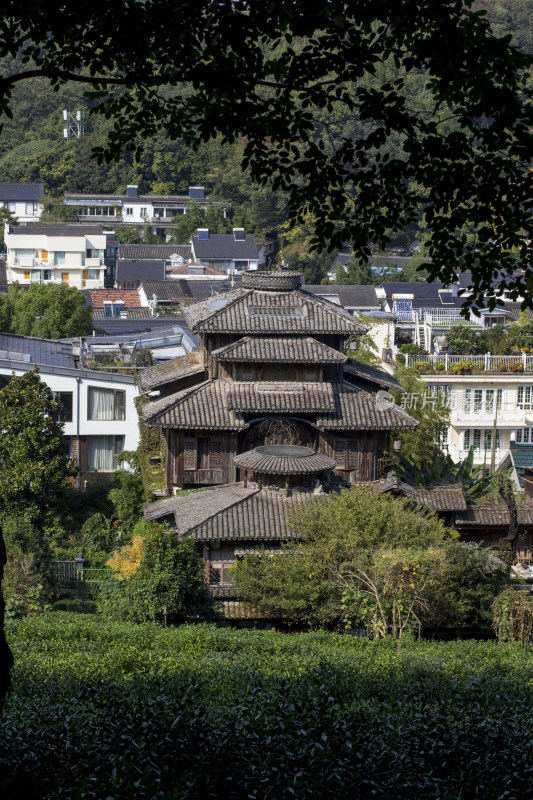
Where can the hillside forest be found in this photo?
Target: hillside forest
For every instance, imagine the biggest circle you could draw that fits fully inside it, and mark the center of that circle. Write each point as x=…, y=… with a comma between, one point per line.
x=32, y=148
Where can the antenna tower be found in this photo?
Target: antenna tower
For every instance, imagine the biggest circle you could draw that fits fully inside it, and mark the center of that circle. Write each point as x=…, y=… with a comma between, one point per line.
x=74, y=124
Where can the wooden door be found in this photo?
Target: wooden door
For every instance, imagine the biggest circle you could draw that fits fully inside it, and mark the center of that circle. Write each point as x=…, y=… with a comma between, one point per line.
x=44, y=255
x=64, y=277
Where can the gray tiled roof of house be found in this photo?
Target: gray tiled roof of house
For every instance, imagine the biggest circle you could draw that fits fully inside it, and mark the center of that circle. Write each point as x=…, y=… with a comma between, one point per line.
x=46, y=352
x=494, y=514
x=207, y=407
x=136, y=322
x=55, y=230
x=356, y=409
x=132, y=313
x=153, y=251
x=30, y=192
x=267, y=397
x=224, y=247
x=280, y=349
x=204, y=407
x=194, y=509
x=128, y=270
x=172, y=290
x=442, y=498
x=349, y=296
x=372, y=374
x=161, y=374
x=263, y=516
x=204, y=290
x=292, y=464
x=250, y=311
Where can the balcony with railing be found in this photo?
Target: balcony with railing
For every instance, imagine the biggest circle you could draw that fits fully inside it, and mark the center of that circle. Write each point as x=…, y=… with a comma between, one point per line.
x=471, y=365
x=446, y=318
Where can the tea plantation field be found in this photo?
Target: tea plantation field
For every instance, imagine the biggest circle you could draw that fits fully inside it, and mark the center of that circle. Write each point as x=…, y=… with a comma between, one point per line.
x=106, y=710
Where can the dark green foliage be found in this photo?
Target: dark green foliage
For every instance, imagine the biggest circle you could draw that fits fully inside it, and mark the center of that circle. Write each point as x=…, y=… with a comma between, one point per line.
x=49, y=311
x=33, y=454
x=410, y=349
x=513, y=616
x=355, y=273
x=427, y=119
x=441, y=470
x=109, y=710
x=465, y=341
x=170, y=576
x=74, y=606
x=127, y=495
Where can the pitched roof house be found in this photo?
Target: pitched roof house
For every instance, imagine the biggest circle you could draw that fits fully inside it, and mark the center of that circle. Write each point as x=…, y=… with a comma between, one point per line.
x=265, y=407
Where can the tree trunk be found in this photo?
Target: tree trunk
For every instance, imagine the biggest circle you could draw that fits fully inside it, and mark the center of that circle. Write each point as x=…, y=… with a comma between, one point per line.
x=6, y=657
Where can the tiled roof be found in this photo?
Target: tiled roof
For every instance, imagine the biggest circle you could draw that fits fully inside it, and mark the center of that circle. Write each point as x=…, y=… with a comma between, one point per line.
x=349, y=296
x=442, y=498
x=129, y=270
x=280, y=349
x=161, y=374
x=184, y=269
x=249, y=311
x=196, y=508
x=356, y=409
x=172, y=290
x=522, y=455
x=21, y=191
x=223, y=246
x=494, y=515
x=153, y=251
x=269, y=397
x=263, y=516
x=372, y=374
x=56, y=230
x=130, y=298
x=220, y=405
x=270, y=464
x=203, y=407
x=47, y=352
x=132, y=313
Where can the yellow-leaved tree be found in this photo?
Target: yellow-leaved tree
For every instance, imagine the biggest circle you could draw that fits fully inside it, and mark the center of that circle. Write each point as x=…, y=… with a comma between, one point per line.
x=127, y=559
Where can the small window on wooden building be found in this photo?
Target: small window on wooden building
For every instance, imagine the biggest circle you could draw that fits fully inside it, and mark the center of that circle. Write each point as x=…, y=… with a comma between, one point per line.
x=346, y=453
x=189, y=454
x=203, y=452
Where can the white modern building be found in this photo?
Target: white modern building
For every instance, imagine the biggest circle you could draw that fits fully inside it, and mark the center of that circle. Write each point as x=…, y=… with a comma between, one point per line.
x=490, y=401
x=24, y=200
x=57, y=254
x=99, y=414
x=132, y=207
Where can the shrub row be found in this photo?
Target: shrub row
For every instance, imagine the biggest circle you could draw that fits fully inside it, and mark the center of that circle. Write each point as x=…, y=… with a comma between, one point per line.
x=103, y=710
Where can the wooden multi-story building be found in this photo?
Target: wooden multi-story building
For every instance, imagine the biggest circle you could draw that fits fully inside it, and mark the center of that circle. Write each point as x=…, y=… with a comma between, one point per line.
x=270, y=369
x=268, y=414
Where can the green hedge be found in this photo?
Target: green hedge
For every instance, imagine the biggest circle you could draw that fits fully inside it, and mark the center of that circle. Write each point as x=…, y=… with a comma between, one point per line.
x=108, y=710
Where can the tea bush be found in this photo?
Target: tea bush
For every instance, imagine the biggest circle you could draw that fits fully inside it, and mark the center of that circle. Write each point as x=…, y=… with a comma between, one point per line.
x=110, y=710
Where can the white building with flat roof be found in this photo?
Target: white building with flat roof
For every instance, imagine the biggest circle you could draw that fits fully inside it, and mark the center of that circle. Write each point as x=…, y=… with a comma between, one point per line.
x=71, y=254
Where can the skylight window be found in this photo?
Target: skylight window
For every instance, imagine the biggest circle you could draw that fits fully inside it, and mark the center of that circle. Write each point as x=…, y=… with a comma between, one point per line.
x=446, y=297
x=203, y=234
x=239, y=235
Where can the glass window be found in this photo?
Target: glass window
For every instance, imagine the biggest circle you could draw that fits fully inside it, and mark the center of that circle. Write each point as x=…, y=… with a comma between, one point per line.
x=47, y=274
x=93, y=274
x=65, y=398
x=524, y=436
x=11, y=206
x=23, y=254
x=143, y=212
x=59, y=258
x=524, y=397
x=129, y=211
x=102, y=452
x=478, y=400
x=106, y=404
x=489, y=400
x=30, y=208
x=477, y=439
x=467, y=401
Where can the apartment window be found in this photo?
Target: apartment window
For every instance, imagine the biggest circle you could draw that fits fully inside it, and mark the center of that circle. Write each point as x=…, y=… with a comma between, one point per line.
x=107, y=404
x=30, y=208
x=129, y=211
x=144, y=212
x=35, y=276
x=443, y=393
x=11, y=207
x=59, y=258
x=478, y=400
x=481, y=400
x=93, y=274
x=102, y=452
x=476, y=438
x=241, y=265
x=65, y=399
x=19, y=254
x=524, y=436
x=47, y=274
x=525, y=397
x=467, y=401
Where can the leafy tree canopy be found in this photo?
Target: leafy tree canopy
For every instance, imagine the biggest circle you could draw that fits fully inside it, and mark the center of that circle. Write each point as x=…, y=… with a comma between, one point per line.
x=49, y=311
x=33, y=455
x=273, y=75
